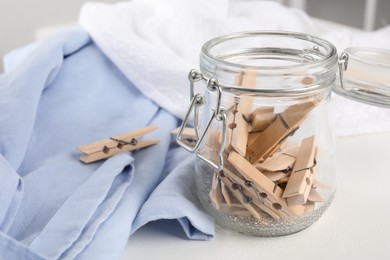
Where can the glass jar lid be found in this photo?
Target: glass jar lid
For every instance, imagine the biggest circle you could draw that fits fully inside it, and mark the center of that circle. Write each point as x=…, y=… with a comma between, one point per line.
x=364, y=75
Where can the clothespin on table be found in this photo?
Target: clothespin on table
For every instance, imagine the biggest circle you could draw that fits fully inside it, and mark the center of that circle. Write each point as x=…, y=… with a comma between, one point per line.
x=120, y=143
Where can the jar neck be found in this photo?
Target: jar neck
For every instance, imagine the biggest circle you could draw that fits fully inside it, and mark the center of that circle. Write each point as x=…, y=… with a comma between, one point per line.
x=281, y=62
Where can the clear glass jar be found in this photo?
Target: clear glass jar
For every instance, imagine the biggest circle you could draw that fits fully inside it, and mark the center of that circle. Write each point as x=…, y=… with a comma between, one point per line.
x=265, y=144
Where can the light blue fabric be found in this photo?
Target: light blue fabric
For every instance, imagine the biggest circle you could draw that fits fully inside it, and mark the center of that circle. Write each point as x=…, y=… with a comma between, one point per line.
x=63, y=93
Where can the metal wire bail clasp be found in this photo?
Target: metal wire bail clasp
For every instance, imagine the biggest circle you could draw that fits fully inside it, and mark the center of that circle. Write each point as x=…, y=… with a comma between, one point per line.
x=218, y=113
x=343, y=65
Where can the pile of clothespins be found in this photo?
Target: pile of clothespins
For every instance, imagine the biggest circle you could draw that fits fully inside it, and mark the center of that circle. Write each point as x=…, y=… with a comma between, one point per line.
x=265, y=175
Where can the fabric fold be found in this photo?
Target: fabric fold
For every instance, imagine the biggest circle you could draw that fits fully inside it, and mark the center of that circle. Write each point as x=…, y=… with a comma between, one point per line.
x=175, y=198
x=149, y=167
x=70, y=209
x=11, y=187
x=13, y=249
x=24, y=85
x=91, y=198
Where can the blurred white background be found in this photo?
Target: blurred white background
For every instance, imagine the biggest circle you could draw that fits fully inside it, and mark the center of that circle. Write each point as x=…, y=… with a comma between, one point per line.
x=23, y=21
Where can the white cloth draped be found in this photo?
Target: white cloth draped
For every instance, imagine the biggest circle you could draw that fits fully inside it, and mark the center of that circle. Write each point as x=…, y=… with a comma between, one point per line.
x=156, y=43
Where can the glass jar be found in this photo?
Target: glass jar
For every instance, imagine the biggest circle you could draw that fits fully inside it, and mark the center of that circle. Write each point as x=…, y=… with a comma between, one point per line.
x=367, y=78
x=265, y=150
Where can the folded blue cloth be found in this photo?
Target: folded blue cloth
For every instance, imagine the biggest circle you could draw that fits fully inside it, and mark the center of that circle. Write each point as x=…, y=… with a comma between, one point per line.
x=54, y=97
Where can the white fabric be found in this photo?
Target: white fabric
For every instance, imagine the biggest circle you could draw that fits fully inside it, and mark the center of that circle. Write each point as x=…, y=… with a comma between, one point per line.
x=156, y=43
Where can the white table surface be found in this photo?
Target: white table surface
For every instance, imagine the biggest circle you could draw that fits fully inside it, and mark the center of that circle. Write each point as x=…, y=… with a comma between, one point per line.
x=356, y=226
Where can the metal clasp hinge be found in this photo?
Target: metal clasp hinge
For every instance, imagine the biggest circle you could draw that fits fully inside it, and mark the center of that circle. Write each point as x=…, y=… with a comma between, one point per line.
x=343, y=65
x=218, y=113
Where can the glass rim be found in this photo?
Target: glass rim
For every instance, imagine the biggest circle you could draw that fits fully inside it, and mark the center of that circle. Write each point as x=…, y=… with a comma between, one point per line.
x=329, y=59
x=210, y=44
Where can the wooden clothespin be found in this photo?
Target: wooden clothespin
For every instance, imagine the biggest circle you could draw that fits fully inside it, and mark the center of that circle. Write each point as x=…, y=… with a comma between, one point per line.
x=269, y=191
x=262, y=144
x=120, y=143
x=280, y=162
x=279, y=165
x=227, y=195
x=219, y=194
x=301, y=178
x=238, y=113
x=236, y=198
x=215, y=193
x=308, y=80
x=261, y=203
x=317, y=184
x=315, y=196
x=241, y=196
x=261, y=118
x=212, y=141
x=244, y=109
x=231, y=115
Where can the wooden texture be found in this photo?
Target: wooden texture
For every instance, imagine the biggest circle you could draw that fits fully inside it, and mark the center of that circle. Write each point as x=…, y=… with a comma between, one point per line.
x=264, y=185
x=246, y=101
x=230, y=116
x=109, y=143
x=226, y=194
x=308, y=80
x=235, y=176
x=301, y=178
x=106, y=148
x=261, y=118
x=244, y=108
x=260, y=111
x=212, y=145
x=262, y=144
x=215, y=193
x=279, y=162
x=315, y=196
x=240, y=134
x=239, y=196
x=317, y=184
x=230, y=125
x=275, y=176
x=93, y=157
